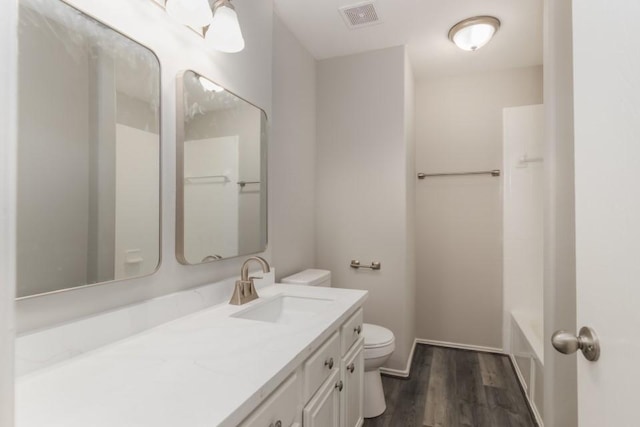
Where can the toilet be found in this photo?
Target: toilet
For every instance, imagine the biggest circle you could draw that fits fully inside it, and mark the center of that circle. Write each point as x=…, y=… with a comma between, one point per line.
x=379, y=343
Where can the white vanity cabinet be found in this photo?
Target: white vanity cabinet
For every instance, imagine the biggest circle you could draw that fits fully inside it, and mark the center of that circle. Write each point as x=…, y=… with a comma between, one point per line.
x=326, y=390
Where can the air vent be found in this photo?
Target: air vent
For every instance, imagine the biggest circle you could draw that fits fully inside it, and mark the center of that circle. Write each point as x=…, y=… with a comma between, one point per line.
x=360, y=15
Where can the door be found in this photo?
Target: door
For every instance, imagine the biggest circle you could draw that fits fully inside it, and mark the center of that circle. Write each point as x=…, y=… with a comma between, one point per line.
x=606, y=85
x=352, y=405
x=607, y=178
x=324, y=409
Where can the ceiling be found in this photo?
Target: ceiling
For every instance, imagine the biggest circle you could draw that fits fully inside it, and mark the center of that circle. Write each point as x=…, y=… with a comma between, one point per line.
x=423, y=26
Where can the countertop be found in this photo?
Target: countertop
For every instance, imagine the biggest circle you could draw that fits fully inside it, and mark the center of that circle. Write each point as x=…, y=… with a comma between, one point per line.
x=204, y=369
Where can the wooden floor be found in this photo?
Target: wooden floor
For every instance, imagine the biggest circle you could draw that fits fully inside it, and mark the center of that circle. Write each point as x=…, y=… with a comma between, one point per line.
x=454, y=388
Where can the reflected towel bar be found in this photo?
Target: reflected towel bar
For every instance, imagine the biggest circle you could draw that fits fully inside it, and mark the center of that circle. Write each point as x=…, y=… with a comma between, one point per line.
x=495, y=172
x=243, y=183
x=191, y=179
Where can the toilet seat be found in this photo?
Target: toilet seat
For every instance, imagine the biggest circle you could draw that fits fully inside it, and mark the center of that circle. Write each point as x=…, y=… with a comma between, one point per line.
x=378, y=341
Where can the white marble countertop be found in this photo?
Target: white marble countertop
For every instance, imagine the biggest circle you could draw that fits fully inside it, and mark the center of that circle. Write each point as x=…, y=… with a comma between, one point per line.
x=204, y=369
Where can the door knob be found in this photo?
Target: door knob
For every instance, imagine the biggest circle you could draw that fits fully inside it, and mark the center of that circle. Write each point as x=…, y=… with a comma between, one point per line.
x=588, y=342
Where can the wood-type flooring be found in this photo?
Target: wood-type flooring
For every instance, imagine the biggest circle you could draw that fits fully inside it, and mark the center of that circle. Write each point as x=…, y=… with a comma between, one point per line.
x=455, y=388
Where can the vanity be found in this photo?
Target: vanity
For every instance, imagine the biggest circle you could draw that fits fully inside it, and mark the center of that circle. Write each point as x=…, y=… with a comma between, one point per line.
x=89, y=202
x=293, y=357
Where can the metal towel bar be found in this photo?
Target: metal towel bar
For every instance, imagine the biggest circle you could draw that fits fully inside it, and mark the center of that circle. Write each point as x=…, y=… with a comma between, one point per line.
x=375, y=265
x=495, y=172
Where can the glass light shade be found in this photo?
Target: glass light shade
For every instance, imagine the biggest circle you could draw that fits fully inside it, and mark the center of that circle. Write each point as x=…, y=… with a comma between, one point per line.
x=224, y=33
x=195, y=13
x=473, y=33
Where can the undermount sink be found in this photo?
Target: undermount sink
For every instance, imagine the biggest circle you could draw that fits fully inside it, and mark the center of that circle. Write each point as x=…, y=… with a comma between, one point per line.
x=285, y=309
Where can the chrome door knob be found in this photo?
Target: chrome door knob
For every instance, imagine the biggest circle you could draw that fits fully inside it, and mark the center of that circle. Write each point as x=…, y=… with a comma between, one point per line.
x=587, y=341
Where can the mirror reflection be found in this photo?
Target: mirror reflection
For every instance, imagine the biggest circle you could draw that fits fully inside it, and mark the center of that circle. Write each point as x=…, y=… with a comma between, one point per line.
x=222, y=203
x=88, y=152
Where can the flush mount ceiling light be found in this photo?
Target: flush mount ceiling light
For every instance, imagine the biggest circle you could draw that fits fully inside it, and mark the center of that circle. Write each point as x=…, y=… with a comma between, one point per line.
x=194, y=13
x=473, y=33
x=224, y=33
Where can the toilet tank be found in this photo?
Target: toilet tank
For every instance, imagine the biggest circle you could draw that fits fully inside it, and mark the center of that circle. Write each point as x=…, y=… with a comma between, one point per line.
x=310, y=277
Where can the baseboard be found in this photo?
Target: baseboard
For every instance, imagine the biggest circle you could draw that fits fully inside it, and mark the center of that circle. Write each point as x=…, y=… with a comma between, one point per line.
x=461, y=346
x=523, y=384
x=401, y=373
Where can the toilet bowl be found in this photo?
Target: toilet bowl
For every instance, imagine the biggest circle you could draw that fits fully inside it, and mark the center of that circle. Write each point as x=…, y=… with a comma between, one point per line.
x=379, y=343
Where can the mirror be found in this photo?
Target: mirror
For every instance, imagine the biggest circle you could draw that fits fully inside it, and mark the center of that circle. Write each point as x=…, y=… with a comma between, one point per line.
x=222, y=173
x=88, y=198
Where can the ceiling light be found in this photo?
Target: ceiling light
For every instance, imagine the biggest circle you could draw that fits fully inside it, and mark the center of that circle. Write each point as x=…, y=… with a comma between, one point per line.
x=473, y=33
x=224, y=33
x=210, y=86
x=195, y=13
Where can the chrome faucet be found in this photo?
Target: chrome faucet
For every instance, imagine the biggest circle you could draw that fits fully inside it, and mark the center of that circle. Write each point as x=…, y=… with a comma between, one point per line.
x=245, y=289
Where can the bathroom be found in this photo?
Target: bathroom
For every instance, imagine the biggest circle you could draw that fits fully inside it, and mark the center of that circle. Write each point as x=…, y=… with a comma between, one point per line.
x=351, y=130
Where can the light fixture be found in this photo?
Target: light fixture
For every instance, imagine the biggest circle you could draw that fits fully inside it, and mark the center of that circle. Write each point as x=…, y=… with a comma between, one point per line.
x=210, y=86
x=473, y=33
x=224, y=33
x=194, y=13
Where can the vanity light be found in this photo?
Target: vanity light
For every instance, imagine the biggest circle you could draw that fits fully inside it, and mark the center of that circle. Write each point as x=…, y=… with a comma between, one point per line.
x=224, y=33
x=473, y=33
x=210, y=86
x=194, y=13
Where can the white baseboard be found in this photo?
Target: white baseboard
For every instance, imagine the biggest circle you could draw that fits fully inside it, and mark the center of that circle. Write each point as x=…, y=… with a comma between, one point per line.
x=523, y=384
x=402, y=373
x=460, y=346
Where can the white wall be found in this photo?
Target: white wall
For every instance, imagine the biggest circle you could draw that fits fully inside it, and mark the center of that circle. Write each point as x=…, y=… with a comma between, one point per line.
x=247, y=73
x=523, y=221
x=292, y=154
x=409, y=311
x=8, y=146
x=363, y=197
x=560, y=394
x=459, y=219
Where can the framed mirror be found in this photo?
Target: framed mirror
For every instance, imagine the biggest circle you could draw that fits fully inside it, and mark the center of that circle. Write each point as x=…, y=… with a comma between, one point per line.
x=221, y=173
x=88, y=197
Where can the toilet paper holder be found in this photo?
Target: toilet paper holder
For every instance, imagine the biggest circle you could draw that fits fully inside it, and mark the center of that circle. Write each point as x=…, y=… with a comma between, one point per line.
x=375, y=265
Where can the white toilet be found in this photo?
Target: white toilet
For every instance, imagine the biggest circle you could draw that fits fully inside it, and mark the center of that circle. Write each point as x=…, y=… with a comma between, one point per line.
x=379, y=343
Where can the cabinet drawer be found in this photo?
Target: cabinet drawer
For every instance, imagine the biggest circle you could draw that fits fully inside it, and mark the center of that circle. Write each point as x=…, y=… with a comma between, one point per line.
x=321, y=365
x=282, y=405
x=351, y=331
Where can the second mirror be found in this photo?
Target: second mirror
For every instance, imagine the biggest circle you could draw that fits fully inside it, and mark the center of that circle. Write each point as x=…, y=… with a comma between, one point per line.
x=221, y=173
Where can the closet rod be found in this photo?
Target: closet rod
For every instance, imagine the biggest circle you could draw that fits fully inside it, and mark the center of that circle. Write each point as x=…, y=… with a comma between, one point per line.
x=495, y=172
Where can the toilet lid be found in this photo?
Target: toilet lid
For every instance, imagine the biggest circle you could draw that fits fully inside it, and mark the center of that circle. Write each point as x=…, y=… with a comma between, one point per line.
x=376, y=336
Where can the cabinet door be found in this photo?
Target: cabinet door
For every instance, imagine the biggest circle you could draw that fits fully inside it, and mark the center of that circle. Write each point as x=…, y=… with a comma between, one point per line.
x=281, y=408
x=353, y=380
x=324, y=409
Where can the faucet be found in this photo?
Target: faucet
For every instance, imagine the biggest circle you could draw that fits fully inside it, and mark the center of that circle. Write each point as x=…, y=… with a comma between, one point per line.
x=245, y=290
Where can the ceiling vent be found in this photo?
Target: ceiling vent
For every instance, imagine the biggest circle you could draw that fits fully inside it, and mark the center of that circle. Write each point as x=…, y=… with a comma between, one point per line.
x=360, y=15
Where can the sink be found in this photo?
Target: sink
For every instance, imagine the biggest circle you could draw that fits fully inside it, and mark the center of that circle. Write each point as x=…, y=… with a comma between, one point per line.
x=285, y=309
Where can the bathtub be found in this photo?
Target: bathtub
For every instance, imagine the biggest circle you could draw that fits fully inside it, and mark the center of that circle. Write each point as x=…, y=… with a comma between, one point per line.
x=527, y=354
